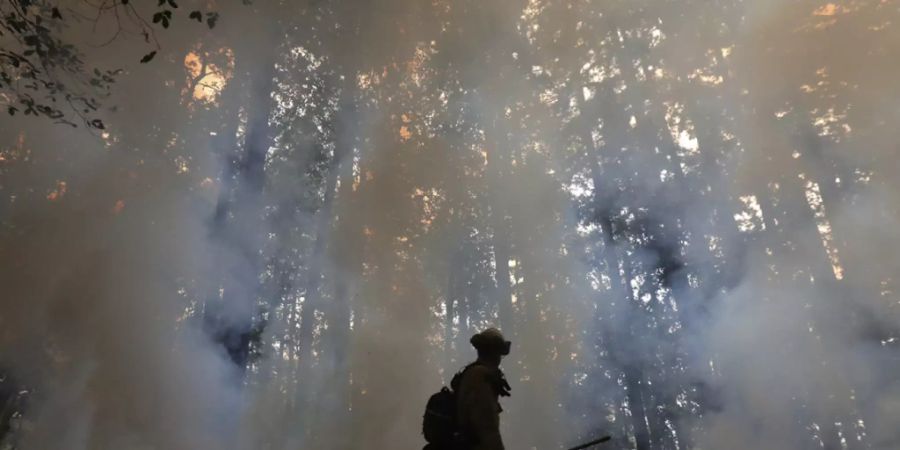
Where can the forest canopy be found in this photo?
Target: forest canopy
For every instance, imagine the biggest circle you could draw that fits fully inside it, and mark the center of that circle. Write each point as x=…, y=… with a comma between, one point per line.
x=276, y=224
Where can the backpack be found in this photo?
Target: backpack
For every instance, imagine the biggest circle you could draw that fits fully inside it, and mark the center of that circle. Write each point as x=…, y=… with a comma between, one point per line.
x=439, y=424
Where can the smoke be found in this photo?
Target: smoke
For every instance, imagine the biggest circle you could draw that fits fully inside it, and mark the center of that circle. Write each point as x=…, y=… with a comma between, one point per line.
x=454, y=186
x=91, y=293
x=805, y=343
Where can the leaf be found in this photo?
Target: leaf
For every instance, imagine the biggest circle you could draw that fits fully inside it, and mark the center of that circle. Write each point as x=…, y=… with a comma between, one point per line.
x=12, y=110
x=196, y=15
x=124, y=2
x=172, y=3
x=158, y=17
x=55, y=13
x=148, y=57
x=98, y=124
x=211, y=19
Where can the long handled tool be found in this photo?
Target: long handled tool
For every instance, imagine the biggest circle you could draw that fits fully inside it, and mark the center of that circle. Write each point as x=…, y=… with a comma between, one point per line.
x=592, y=443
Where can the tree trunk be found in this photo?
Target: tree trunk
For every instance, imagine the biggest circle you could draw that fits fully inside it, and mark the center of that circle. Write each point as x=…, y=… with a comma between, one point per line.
x=496, y=161
x=237, y=222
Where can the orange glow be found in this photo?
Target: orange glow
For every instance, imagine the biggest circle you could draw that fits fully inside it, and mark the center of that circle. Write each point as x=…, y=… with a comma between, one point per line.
x=59, y=192
x=827, y=15
x=118, y=207
x=207, y=74
x=17, y=152
x=405, y=134
x=829, y=9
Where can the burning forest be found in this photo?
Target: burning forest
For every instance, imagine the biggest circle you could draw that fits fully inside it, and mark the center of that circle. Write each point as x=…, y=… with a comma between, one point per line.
x=278, y=224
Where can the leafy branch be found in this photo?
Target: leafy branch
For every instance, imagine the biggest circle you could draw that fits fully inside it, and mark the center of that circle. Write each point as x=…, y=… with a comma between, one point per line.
x=43, y=75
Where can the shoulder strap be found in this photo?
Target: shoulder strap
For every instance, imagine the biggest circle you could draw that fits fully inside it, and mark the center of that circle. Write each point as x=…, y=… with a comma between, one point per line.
x=457, y=379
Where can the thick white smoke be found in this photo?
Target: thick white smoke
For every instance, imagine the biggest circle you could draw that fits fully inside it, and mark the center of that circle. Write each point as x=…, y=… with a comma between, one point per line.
x=90, y=302
x=103, y=284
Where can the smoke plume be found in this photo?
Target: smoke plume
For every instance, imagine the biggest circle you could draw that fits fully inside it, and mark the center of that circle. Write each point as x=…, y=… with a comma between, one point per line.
x=680, y=212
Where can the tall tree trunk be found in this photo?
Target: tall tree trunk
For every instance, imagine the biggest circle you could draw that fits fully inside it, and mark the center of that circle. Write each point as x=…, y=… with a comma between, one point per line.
x=497, y=162
x=237, y=223
x=453, y=301
x=313, y=283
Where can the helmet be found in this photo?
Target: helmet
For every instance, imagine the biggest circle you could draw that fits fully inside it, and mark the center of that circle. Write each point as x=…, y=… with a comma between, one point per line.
x=491, y=340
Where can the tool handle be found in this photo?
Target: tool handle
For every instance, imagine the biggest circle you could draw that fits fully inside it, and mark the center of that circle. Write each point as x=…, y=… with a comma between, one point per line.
x=592, y=443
